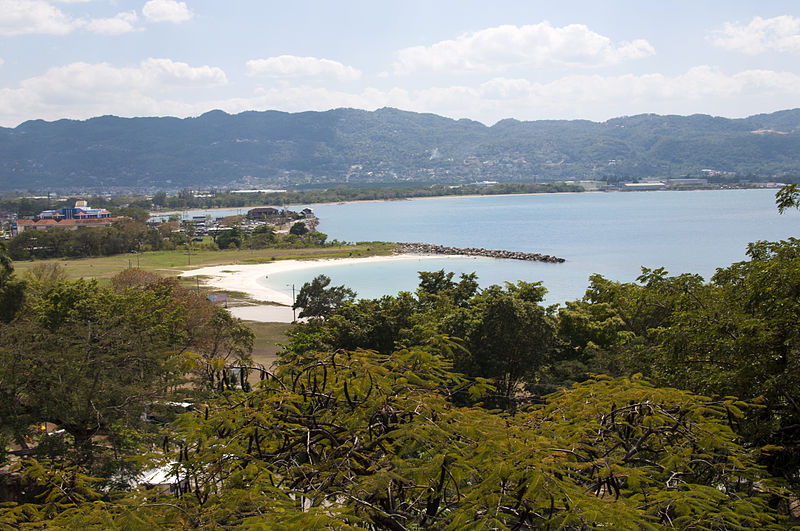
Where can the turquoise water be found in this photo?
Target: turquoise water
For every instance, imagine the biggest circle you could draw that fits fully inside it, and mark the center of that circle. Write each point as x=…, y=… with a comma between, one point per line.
x=613, y=234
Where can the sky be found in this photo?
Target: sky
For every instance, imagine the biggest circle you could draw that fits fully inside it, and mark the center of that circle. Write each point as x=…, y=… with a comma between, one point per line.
x=485, y=61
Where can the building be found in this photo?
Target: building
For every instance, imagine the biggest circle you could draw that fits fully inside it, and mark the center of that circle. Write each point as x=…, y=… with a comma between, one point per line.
x=648, y=185
x=79, y=211
x=262, y=213
x=687, y=181
x=80, y=216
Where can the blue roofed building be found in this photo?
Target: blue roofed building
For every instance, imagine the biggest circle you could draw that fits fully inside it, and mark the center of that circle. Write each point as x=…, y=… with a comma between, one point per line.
x=80, y=211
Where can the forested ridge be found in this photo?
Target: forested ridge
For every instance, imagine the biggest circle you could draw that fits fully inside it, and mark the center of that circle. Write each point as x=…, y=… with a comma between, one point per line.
x=667, y=403
x=387, y=146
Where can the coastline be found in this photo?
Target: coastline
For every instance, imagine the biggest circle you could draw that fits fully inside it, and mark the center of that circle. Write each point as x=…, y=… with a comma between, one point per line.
x=249, y=279
x=311, y=205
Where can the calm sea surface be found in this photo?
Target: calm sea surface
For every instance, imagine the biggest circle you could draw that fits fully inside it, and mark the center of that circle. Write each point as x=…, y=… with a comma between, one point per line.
x=613, y=234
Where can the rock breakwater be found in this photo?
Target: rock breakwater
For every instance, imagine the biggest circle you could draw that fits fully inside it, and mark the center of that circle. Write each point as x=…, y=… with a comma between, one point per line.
x=429, y=248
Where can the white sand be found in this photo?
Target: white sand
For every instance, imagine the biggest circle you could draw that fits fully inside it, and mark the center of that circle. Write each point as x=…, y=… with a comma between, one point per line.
x=245, y=279
x=265, y=313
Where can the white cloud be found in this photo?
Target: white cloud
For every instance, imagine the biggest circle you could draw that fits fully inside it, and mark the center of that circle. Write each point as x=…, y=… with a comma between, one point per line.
x=780, y=34
x=167, y=71
x=292, y=66
x=20, y=17
x=165, y=87
x=81, y=90
x=503, y=47
x=701, y=89
x=166, y=11
x=124, y=22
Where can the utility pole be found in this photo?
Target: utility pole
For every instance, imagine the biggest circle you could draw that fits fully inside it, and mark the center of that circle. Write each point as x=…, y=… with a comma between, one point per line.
x=294, y=310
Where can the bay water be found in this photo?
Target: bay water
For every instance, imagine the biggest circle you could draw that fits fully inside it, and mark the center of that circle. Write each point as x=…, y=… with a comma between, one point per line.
x=612, y=234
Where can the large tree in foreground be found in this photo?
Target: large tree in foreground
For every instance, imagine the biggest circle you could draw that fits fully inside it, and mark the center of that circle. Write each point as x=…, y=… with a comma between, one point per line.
x=359, y=440
x=95, y=361
x=89, y=360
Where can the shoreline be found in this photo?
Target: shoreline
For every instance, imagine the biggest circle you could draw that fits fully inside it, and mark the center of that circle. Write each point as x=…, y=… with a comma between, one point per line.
x=248, y=278
x=215, y=209
x=311, y=205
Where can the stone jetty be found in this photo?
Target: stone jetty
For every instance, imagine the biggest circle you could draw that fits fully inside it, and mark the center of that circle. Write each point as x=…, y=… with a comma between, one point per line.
x=429, y=248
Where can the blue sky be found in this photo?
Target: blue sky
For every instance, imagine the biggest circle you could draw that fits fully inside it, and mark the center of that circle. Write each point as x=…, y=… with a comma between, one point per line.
x=527, y=60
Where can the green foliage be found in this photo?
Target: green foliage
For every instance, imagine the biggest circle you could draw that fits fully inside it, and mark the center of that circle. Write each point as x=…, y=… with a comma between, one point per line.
x=507, y=336
x=318, y=300
x=787, y=197
x=298, y=229
x=137, y=213
x=230, y=238
x=357, y=440
x=84, y=357
x=737, y=335
x=363, y=424
x=11, y=289
x=434, y=285
x=262, y=237
x=123, y=236
x=221, y=344
x=94, y=360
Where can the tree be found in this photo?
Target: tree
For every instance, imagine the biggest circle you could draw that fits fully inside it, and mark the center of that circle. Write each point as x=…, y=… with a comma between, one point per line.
x=315, y=238
x=160, y=199
x=736, y=335
x=222, y=343
x=134, y=212
x=228, y=238
x=89, y=359
x=298, y=229
x=359, y=440
x=787, y=197
x=318, y=300
x=262, y=237
x=507, y=335
x=436, y=284
x=11, y=289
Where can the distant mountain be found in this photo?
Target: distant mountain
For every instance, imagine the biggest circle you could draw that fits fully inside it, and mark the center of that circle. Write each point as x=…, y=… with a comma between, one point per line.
x=260, y=149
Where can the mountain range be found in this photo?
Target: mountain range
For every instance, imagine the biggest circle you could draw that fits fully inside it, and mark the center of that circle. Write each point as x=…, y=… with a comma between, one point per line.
x=313, y=149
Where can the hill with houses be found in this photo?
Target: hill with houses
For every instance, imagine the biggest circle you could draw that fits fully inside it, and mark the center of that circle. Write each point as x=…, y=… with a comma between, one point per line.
x=386, y=146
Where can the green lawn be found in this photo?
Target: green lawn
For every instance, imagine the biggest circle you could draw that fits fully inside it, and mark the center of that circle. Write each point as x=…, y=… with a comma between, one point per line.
x=171, y=263
x=268, y=338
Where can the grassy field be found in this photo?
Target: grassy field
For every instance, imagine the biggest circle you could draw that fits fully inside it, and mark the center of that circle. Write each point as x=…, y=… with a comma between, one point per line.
x=269, y=337
x=172, y=263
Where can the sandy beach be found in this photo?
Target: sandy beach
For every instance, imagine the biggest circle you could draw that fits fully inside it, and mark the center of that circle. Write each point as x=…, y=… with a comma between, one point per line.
x=253, y=279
